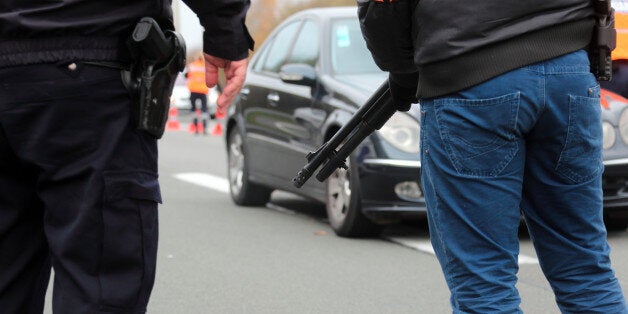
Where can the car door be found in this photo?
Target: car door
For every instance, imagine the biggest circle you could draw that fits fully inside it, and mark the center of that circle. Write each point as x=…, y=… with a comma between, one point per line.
x=301, y=118
x=279, y=115
x=258, y=92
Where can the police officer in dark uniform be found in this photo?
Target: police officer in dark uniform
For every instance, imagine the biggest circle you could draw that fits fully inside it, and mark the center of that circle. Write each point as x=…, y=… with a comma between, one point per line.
x=78, y=181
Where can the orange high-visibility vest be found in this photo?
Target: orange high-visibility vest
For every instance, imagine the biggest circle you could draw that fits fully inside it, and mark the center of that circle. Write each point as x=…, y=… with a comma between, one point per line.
x=196, y=77
x=621, y=25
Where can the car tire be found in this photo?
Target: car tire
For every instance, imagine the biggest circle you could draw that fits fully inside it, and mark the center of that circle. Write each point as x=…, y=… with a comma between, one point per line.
x=344, y=209
x=616, y=223
x=242, y=191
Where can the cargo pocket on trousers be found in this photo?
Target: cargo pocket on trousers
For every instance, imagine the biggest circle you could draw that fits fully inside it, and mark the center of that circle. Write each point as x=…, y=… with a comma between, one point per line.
x=129, y=244
x=581, y=157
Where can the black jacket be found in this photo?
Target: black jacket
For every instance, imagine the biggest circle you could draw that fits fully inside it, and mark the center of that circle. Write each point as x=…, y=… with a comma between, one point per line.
x=38, y=31
x=455, y=44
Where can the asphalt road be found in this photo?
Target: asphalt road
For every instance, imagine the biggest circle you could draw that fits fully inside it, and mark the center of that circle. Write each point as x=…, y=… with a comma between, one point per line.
x=215, y=257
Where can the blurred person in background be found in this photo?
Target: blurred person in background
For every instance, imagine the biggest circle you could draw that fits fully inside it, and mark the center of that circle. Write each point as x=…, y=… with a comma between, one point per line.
x=510, y=125
x=195, y=74
x=78, y=180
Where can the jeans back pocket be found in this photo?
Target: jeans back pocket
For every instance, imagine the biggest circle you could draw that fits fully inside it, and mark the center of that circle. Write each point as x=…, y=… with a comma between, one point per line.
x=479, y=134
x=581, y=157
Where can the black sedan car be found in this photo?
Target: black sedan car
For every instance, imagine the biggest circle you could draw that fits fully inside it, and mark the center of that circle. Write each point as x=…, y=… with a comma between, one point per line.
x=308, y=78
x=615, y=143
x=304, y=83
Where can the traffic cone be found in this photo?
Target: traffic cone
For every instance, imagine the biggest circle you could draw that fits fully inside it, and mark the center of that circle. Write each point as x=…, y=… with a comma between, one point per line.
x=173, y=123
x=217, y=129
x=221, y=113
x=192, y=127
x=199, y=127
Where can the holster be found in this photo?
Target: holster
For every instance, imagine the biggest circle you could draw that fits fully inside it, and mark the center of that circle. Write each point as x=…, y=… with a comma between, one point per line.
x=158, y=57
x=603, y=40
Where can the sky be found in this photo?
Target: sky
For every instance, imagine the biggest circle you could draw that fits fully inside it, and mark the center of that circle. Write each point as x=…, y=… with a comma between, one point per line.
x=188, y=25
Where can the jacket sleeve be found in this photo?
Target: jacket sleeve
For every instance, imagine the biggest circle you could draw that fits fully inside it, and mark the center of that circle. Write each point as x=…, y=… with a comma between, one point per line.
x=226, y=35
x=387, y=28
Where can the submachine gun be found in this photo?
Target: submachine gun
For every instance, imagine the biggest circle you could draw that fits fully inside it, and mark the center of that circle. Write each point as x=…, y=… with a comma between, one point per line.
x=333, y=153
x=603, y=41
x=157, y=59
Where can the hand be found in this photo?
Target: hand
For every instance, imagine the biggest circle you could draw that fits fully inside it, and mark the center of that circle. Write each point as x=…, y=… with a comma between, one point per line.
x=403, y=89
x=235, y=73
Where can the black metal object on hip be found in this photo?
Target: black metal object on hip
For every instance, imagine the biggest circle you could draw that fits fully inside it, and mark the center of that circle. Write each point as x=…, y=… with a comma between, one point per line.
x=158, y=58
x=333, y=153
x=603, y=40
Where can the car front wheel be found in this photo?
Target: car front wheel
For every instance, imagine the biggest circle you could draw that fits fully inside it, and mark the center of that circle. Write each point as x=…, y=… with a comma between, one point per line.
x=243, y=192
x=616, y=223
x=343, y=205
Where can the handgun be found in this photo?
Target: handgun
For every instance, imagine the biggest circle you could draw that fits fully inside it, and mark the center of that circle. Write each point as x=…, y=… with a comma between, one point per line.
x=603, y=40
x=159, y=57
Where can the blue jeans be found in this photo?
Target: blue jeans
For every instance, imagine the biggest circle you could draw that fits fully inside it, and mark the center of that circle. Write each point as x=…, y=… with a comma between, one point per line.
x=526, y=142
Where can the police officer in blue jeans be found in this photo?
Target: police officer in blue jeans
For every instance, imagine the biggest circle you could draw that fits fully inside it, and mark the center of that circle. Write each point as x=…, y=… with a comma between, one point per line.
x=78, y=181
x=510, y=125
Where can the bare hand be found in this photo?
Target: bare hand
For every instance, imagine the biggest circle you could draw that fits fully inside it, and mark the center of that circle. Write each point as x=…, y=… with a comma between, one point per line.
x=235, y=73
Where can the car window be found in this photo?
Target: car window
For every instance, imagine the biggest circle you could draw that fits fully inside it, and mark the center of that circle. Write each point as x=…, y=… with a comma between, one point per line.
x=259, y=62
x=278, y=49
x=349, y=54
x=306, y=46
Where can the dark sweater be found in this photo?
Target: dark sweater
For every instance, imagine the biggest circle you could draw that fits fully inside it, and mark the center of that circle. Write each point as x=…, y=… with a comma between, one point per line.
x=454, y=45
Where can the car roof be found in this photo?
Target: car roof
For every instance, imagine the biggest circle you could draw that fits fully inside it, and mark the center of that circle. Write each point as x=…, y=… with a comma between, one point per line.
x=327, y=12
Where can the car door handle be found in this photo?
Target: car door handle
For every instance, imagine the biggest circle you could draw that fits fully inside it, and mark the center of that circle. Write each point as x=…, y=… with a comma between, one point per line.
x=273, y=99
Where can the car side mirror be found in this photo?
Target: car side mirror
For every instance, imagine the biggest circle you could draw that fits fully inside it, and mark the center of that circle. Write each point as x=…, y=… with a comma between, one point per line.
x=299, y=74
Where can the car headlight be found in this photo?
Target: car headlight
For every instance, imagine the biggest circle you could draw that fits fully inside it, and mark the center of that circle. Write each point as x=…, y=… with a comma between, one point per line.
x=402, y=132
x=609, y=135
x=623, y=126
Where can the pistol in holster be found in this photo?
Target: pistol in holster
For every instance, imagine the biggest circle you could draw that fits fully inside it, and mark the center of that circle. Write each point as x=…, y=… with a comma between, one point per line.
x=157, y=57
x=603, y=40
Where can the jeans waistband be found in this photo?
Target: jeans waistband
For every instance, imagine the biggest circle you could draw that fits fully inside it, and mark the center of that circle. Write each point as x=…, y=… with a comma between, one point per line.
x=574, y=62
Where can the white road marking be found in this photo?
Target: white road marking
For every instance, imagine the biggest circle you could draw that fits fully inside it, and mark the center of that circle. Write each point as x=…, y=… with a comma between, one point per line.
x=426, y=246
x=420, y=245
x=222, y=185
x=205, y=180
x=280, y=209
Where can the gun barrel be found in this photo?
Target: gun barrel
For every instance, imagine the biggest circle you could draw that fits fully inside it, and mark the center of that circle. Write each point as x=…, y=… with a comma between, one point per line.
x=372, y=120
x=327, y=152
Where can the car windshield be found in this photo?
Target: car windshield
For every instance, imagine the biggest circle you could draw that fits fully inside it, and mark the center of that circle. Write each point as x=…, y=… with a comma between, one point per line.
x=349, y=54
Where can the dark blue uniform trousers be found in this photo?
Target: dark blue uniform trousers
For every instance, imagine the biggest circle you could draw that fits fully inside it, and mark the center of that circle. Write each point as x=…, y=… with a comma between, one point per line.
x=78, y=192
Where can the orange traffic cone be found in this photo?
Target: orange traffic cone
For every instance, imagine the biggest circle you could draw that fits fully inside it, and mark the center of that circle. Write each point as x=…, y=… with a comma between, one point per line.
x=220, y=113
x=192, y=127
x=217, y=129
x=173, y=123
x=200, y=128
x=195, y=127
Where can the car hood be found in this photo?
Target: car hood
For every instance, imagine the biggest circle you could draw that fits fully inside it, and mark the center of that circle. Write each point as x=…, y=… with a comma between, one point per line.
x=363, y=83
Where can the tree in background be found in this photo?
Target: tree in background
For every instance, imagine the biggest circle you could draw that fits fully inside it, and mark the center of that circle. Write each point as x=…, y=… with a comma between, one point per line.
x=265, y=15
